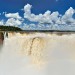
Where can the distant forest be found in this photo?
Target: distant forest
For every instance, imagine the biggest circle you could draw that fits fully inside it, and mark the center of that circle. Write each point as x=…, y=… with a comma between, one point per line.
x=9, y=28
x=12, y=28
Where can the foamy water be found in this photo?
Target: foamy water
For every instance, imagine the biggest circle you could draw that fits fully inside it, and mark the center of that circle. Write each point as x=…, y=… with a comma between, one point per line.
x=38, y=54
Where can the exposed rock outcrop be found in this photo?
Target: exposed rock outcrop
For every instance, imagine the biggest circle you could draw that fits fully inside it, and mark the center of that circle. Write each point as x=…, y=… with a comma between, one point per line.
x=1, y=37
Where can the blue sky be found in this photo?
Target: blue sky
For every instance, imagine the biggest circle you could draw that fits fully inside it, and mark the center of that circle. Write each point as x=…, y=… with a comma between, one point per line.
x=36, y=7
x=40, y=5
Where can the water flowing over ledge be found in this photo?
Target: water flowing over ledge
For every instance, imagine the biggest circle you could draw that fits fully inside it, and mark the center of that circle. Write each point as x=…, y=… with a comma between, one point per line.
x=38, y=53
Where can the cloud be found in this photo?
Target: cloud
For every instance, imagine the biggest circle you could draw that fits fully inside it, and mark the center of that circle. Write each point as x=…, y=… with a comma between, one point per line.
x=14, y=19
x=13, y=22
x=13, y=15
x=1, y=22
x=35, y=18
x=68, y=16
x=48, y=17
x=29, y=26
x=47, y=20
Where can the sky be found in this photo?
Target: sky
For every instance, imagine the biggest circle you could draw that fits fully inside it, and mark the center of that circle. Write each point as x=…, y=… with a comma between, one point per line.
x=38, y=14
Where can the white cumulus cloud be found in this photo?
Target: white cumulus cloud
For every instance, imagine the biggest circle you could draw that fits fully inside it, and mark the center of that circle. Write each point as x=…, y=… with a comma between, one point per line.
x=13, y=15
x=48, y=17
x=1, y=22
x=46, y=20
x=13, y=22
x=68, y=16
x=14, y=19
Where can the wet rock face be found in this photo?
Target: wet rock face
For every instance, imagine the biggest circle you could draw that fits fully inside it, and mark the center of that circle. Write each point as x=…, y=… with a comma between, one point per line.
x=1, y=38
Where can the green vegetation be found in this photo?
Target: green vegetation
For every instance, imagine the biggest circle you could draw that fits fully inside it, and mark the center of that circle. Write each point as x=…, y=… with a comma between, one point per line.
x=9, y=28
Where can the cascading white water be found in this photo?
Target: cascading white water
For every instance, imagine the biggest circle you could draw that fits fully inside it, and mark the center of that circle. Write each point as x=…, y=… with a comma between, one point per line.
x=38, y=54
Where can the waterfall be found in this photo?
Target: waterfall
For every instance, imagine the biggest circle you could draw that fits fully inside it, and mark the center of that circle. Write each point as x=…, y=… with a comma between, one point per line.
x=5, y=34
x=38, y=53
